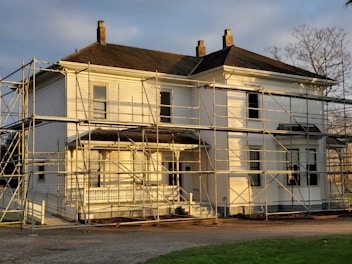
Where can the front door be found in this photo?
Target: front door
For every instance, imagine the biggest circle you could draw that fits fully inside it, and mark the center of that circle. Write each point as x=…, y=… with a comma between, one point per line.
x=173, y=175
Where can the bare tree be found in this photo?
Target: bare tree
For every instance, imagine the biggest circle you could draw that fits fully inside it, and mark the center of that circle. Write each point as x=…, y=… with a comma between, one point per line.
x=322, y=51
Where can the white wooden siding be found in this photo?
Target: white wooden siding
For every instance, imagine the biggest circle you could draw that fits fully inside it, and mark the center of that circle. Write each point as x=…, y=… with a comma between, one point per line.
x=49, y=138
x=127, y=100
x=131, y=100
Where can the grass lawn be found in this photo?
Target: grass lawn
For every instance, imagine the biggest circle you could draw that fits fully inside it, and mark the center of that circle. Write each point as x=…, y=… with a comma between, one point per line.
x=349, y=195
x=318, y=249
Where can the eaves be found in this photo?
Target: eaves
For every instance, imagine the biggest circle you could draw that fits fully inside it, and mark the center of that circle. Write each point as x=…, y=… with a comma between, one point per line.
x=123, y=72
x=283, y=77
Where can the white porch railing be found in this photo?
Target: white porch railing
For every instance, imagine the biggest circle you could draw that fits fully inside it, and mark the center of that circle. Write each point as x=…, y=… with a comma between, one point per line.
x=130, y=194
x=36, y=211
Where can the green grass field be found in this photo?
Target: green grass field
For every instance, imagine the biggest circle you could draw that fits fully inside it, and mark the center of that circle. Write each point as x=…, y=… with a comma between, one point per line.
x=318, y=249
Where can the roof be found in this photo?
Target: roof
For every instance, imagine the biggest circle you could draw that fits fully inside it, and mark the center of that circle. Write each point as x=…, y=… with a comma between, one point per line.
x=165, y=62
x=238, y=57
x=335, y=143
x=135, y=58
x=163, y=135
x=299, y=129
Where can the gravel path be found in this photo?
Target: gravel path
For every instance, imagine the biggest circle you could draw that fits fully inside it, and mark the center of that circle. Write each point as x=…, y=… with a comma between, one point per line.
x=128, y=244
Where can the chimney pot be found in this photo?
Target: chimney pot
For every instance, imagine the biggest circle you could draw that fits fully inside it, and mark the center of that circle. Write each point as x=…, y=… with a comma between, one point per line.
x=101, y=35
x=227, y=39
x=200, y=49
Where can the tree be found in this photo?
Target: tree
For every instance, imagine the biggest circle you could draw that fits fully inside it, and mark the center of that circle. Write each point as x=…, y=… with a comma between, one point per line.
x=9, y=161
x=348, y=3
x=322, y=51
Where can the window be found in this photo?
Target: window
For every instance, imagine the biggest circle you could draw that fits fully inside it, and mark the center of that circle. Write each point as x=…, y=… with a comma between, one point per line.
x=254, y=164
x=253, y=105
x=292, y=158
x=312, y=175
x=99, y=102
x=165, y=106
x=41, y=174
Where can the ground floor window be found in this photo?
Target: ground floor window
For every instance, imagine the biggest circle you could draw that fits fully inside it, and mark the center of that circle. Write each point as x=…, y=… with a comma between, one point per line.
x=312, y=175
x=254, y=164
x=292, y=158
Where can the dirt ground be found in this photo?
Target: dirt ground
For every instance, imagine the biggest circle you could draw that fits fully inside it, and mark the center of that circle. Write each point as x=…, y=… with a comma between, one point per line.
x=134, y=244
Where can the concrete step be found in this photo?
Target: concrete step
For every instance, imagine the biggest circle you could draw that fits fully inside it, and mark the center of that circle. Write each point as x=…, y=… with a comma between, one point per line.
x=197, y=210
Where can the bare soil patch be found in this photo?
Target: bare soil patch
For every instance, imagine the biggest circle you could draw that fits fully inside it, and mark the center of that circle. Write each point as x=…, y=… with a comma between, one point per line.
x=133, y=244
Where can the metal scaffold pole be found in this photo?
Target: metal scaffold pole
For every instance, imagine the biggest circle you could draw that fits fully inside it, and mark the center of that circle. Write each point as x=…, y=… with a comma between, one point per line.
x=122, y=157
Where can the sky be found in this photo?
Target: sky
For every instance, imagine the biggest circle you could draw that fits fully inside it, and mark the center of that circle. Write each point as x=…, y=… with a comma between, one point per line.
x=52, y=29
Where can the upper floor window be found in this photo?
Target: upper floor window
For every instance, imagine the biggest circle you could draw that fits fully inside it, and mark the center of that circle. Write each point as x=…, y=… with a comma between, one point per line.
x=254, y=164
x=253, y=105
x=165, y=106
x=312, y=175
x=292, y=157
x=41, y=172
x=99, y=102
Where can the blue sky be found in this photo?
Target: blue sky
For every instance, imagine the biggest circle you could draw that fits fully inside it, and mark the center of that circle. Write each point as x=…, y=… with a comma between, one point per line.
x=53, y=29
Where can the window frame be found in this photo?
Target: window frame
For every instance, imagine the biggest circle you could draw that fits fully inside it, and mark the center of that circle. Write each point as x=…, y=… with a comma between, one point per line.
x=294, y=165
x=41, y=171
x=99, y=112
x=254, y=163
x=311, y=167
x=253, y=105
x=165, y=109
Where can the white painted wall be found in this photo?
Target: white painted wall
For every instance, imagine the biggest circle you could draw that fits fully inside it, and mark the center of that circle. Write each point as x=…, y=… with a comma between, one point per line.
x=48, y=100
x=131, y=100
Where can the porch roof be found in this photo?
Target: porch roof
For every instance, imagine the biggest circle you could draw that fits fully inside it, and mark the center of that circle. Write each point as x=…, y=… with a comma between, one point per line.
x=148, y=135
x=335, y=143
x=299, y=127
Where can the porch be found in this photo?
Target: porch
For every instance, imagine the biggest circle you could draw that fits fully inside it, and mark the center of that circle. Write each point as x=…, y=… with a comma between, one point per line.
x=131, y=194
x=137, y=201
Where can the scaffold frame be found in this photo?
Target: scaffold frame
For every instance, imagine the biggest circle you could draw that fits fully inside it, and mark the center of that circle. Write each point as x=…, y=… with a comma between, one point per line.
x=138, y=191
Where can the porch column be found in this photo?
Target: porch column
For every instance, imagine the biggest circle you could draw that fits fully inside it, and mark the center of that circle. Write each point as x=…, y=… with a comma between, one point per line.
x=177, y=153
x=102, y=169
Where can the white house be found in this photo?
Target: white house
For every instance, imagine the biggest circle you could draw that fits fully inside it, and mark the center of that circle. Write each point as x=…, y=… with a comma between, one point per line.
x=130, y=132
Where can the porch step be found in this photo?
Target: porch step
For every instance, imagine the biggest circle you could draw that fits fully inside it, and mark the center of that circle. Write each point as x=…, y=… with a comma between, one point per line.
x=197, y=210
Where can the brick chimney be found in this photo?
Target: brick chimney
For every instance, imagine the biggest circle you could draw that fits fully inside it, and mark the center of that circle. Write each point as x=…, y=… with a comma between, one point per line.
x=200, y=49
x=227, y=39
x=101, y=36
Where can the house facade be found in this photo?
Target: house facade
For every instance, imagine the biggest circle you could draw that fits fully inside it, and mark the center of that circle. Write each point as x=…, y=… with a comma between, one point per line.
x=129, y=132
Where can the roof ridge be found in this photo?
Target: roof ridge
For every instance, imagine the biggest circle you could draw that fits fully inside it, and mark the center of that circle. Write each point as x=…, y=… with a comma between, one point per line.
x=79, y=51
x=152, y=50
x=213, y=60
x=196, y=66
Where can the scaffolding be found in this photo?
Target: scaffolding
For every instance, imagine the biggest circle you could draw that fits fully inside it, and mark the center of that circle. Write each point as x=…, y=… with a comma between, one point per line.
x=152, y=158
